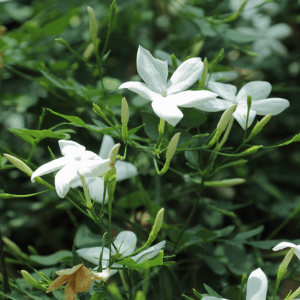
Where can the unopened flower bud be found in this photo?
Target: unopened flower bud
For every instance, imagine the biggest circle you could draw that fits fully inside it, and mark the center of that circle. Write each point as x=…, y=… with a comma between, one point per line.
x=12, y=246
x=31, y=281
x=226, y=117
x=249, y=101
x=140, y=295
x=93, y=24
x=113, y=153
x=204, y=75
x=172, y=147
x=62, y=42
x=259, y=126
x=114, y=290
x=88, y=52
x=18, y=164
x=124, y=112
x=286, y=261
x=225, y=182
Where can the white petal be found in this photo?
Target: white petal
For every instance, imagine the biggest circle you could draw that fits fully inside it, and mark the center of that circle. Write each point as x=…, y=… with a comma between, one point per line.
x=95, y=186
x=70, y=148
x=167, y=111
x=90, y=156
x=141, y=89
x=284, y=245
x=278, y=47
x=224, y=76
x=215, y=105
x=248, y=30
x=257, y=285
x=49, y=167
x=256, y=89
x=126, y=242
x=185, y=75
x=76, y=182
x=262, y=48
x=270, y=105
x=225, y=91
x=262, y=22
x=240, y=115
x=212, y=298
x=94, y=168
x=125, y=170
x=149, y=253
x=280, y=31
x=153, y=71
x=106, y=146
x=93, y=254
x=191, y=98
x=64, y=178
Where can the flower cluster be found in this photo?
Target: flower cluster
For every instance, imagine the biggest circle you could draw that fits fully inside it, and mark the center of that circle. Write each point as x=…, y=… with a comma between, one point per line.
x=167, y=96
x=125, y=243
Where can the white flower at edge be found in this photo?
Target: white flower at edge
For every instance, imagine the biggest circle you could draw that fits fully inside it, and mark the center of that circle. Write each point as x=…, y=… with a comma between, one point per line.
x=166, y=95
x=252, y=7
x=126, y=244
x=267, y=37
x=75, y=160
x=95, y=185
x=283, y=245
x=258, y=90
x=257, y=286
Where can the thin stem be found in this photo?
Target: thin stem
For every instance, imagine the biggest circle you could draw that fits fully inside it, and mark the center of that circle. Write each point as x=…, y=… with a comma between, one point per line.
x=146, y=282
x=3, y=264
x=191, y=213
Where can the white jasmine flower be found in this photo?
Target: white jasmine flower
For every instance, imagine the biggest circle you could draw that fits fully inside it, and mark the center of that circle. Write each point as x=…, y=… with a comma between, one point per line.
x=258, y=90
x=257, y=286
x=75, y=160
x=267, y=37
x=284, y=245
x=166, y=95
x=252, y=7
x=126, y=244
x=95, y=185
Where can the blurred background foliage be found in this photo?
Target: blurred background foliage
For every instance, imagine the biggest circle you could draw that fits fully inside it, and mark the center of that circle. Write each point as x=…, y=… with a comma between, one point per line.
x=232, y=229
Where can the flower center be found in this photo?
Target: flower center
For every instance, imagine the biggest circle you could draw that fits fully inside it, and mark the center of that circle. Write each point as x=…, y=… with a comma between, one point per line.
x=164, y=94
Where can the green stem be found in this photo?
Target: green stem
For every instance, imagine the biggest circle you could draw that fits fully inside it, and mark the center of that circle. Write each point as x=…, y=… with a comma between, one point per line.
x=191, y=213
x=3, y=264
x=146, y=282
x=282, y=224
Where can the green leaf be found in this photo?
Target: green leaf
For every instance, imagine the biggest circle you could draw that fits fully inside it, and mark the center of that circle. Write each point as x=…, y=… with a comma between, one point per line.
x=205, y=234
x=215, y=265
x=99, y=296
x=79, y=122
x=192, y=157
x=85, y=238
x=206, y=28
x=22, y=135
x=175, y=236
x=236, y=36
x=211, y=291
x=60, y=83
x=42, y=134
x=132, y=264
x=222, y=211
x=76, y=258
x=249, y=234
x=199, y=296
x=134, y=130
x=192, y=117
x=151, y=122
x=52, y=259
